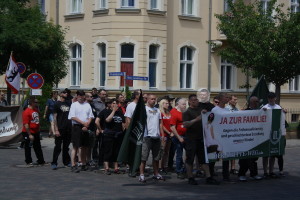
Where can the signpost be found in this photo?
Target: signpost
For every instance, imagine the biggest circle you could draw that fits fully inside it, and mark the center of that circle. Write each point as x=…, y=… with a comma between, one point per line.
x=138, y=78
x=116, y=73
x=35, y=81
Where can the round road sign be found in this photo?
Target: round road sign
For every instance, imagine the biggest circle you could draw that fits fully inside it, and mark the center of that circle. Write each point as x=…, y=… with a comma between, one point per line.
x=21, y=67
x=35, y=81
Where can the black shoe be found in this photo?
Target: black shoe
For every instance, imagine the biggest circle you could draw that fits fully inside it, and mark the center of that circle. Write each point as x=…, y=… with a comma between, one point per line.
x=83, y=168
x=181, y=176
x=192, y=181
x=234, y=171
x=107, y=172
x=74, y=169
x=273, y=175
x=228, y=180
x=212, y=181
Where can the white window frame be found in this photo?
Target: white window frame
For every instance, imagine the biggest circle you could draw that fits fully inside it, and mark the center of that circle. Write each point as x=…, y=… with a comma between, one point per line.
x=294, y=84
x=100, y=61
x=185, y=5
x=224, y=77
x=295, y=6
x=156, y=62
x=78, y=61
x=159, y=5
x=265, y=4
x=101, y=4
x=78, y=6
x=185, y=62
x=125, y=4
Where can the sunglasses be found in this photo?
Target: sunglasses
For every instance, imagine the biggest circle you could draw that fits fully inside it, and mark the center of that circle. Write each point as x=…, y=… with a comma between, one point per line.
x=217, y=102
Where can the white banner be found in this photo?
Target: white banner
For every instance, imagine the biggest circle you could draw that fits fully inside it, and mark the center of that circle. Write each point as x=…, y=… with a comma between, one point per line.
x=240, y=134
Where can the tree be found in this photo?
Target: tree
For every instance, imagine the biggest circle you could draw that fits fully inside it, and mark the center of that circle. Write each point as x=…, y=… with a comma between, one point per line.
x=39, y=44
x=262, y=42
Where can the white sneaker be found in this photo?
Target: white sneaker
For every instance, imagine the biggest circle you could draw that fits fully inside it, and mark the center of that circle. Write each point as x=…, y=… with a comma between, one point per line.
x=142, y=178
x=242, y=178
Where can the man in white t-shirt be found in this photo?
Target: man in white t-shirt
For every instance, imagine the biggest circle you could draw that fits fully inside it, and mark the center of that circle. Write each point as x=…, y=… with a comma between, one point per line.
x=131, y=107
x=151, y=139
x=81, y=115
x=272, y=105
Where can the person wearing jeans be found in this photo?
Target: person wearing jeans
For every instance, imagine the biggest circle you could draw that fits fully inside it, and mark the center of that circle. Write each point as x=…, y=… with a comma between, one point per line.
x=179, y=132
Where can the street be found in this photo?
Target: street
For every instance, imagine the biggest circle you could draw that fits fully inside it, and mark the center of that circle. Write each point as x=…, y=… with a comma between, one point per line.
x=21, y=182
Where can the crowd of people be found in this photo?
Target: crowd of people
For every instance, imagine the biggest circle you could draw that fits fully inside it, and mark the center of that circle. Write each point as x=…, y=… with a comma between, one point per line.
x=96, y=125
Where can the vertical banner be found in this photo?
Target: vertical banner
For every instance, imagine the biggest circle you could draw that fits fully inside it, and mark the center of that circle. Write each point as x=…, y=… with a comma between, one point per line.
x=131, y=149
x=243, y=134
x=10, y=124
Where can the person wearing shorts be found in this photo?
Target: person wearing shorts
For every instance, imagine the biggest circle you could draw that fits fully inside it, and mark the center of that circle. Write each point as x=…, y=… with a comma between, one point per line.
x=81, y=115
x=151, y=139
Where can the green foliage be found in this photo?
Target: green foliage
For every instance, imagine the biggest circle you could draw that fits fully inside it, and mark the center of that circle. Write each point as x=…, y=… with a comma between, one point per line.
x=40, y=45
x=264, y=42
x=47, y=90
x=127, y=93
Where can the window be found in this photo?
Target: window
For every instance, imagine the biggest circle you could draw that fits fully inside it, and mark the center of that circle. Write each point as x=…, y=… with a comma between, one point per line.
x=226, y=75
x=295, y=117
x=153, y=51
x=186, y=67
x=295, y=6
x=76, y=6
x=102, y=63
x=294, y=83
x=127, y=3
x=75, y=65
x=127, y=60
x=155, y=4
x=226, y=6
x=188, y=7
x=265, y=4
x=42, y=6
x=102, y=4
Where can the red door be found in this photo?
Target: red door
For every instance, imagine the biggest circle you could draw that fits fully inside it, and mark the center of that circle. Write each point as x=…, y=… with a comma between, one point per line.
x=128, y=68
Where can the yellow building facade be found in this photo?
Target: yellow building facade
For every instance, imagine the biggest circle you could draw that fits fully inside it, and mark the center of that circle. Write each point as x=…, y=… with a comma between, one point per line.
x=163, y=40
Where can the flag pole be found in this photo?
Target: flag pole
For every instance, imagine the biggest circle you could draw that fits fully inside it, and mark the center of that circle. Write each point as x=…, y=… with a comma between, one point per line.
x=8, y=90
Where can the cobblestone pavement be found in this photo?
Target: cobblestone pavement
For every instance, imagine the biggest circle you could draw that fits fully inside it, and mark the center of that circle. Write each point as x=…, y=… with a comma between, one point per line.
x=19, y=182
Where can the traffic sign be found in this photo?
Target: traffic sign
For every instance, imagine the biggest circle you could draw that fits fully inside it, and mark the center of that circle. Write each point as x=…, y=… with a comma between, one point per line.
x=116, y=73
x=21, y=67
x=35, y=81
x=139, y=78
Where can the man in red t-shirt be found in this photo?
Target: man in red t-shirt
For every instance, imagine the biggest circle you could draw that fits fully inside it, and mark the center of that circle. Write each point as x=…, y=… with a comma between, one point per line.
x=179, y=132
x=31, y=132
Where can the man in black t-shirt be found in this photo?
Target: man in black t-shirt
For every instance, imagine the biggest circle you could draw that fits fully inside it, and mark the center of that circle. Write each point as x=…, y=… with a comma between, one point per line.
x=194, y=142
x=62, y=128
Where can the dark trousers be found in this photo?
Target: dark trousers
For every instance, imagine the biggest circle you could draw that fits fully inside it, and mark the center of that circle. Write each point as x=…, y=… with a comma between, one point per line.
x=36, y=144
x=225, y=169
x=171, y=155
x=63, y=141
x=95, y=153
x=246, y=164
x=101, y=150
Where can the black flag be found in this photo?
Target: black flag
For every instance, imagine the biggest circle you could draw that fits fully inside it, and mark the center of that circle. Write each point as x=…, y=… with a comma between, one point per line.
x=131, y=149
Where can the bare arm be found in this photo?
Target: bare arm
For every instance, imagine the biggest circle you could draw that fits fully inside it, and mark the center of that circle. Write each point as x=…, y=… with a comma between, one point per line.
x=173, y=129
x=55, y=125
